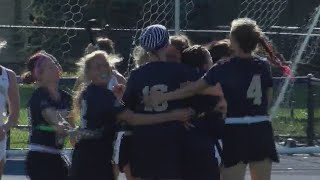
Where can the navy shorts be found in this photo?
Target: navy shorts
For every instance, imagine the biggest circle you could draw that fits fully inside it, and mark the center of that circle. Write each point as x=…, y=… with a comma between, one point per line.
x=124, y=154
x=199, y=161
x=248, y=143
x=40, y=166
x=156, y=152
x=91, y=159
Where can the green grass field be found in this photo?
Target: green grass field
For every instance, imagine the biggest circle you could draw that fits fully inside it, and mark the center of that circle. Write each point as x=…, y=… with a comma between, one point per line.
x=284, y=124
x=19, y=138
x=287, y=122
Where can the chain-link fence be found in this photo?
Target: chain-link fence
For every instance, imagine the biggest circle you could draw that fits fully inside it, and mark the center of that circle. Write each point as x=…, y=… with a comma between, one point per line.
x=58, y=26
x=298, y=113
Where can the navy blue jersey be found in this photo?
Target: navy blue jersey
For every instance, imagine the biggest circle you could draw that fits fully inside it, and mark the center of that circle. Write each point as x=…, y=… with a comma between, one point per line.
x=160, y=76
x=244, y=83
x=41, y=100
x=199, y=161
x=210, y=121
x=156, y=149
x=99, y=108
x=91, y=158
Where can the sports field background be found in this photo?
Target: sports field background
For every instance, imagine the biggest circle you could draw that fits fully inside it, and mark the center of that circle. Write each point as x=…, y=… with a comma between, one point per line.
x=291, y=119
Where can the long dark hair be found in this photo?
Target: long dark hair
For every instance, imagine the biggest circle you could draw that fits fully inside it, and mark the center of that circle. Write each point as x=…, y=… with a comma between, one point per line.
x=30, y=76
x=219, y=49
x=274, y=59
x=195, y=56
x=248, y=34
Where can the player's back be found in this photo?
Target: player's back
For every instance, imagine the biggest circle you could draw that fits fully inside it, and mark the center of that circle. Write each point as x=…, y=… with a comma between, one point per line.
x=159, y=76
x=245, y=82
x=156, y=149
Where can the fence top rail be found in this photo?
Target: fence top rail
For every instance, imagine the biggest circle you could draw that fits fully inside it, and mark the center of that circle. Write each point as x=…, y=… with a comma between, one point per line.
x=218, y=29
x=300, y=79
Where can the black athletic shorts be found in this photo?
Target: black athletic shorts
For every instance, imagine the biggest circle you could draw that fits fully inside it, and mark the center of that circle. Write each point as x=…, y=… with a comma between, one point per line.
x=91, y=159
x=199, y=161
x=156, y=152
x=248, y=143
x=40, y=166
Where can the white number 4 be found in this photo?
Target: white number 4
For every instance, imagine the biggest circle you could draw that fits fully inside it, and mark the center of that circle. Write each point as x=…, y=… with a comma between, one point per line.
x=254, y=90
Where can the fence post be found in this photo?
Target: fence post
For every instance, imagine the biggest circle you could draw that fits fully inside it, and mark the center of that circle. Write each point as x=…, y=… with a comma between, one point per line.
x=310, y=105
x=177, y=17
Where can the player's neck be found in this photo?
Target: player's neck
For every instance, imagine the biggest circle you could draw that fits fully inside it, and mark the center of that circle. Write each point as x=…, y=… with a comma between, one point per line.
x=244, y=55
x=157, y=57
x=51, y=88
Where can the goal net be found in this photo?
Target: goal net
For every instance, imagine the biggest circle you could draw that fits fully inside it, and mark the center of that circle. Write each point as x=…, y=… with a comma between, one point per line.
x=160, y=12
x=295, y=110
x=266, y=13
x=44, y=24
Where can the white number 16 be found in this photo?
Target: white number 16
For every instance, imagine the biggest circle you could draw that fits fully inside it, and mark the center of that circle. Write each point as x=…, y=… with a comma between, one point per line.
x=160, y=107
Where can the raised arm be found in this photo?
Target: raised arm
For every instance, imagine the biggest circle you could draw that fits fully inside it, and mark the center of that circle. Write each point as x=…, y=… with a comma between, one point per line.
x=120, y=78
x=188, y=91
x=216, y=90
x=211, y=78
x=53, y=118
x=269, y=80
x=157, y=97
x=132, y=118
x=270, y=96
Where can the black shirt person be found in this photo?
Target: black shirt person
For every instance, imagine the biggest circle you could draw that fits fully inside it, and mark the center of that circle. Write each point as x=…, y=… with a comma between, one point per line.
x=156, y=150
x=48, y=109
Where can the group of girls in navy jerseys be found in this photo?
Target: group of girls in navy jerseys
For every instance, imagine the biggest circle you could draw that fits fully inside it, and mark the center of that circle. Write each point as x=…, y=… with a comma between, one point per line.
x=246, y=83
x=99, y=109
x=164, y=122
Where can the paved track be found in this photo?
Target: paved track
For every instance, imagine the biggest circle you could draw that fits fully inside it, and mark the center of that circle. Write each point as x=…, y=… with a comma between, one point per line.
x=290, y=168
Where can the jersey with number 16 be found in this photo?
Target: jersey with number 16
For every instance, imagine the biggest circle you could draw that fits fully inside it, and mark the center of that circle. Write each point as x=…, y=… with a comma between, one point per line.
x=156, y=76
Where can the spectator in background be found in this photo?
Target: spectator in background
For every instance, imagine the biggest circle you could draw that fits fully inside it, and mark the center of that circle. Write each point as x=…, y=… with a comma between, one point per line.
x=104, y=44
x=107, y=45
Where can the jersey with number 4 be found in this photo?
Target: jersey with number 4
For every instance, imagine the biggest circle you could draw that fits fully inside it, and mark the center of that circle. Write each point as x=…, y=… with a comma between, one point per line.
x=245, y=83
